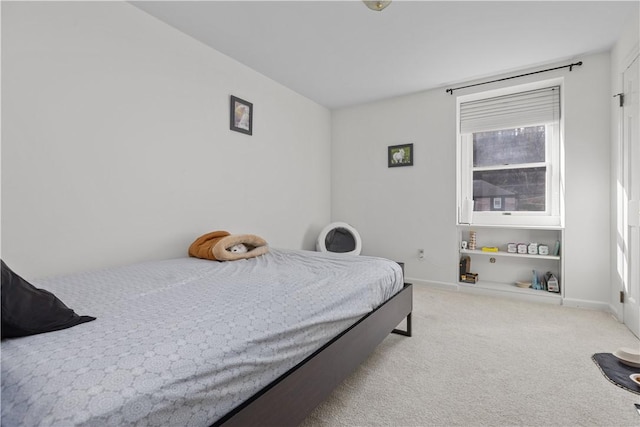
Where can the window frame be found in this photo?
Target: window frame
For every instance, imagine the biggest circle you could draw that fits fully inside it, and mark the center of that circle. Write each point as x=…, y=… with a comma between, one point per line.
x=553, y=216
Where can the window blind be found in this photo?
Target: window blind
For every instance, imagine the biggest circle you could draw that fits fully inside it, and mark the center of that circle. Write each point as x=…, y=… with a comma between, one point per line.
x=510, y=111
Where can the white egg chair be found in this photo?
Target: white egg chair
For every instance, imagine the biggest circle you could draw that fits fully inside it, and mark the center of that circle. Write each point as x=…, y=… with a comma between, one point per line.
x=339, y=237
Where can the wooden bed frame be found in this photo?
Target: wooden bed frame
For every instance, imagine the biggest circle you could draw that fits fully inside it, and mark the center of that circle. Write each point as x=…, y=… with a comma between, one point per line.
x=289, y=399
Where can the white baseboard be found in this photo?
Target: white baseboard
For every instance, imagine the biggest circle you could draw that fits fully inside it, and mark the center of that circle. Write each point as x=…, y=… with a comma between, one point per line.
x=616, y=313
x=543, y=297
x=592, y=305
x=480, y=290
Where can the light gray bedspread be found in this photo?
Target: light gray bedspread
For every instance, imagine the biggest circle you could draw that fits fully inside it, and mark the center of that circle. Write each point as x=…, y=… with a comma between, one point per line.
x=182, y=342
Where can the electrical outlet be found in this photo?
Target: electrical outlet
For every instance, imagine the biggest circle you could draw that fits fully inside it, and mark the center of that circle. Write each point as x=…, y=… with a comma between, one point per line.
x=421, y=254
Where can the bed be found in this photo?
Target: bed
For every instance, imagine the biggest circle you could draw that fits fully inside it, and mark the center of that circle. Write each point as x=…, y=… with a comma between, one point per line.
x=187, y=341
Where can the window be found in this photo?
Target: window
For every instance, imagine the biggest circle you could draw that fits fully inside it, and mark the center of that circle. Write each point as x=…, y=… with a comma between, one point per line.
x=509, y=162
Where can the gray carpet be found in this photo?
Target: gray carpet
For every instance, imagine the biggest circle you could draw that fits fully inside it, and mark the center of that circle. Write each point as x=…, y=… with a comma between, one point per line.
x=485, y=361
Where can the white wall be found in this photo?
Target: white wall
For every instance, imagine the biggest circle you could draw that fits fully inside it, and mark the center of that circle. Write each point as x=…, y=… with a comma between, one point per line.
x=398, y=210
x=116, y=149
x=116, y=145
x=587, y=194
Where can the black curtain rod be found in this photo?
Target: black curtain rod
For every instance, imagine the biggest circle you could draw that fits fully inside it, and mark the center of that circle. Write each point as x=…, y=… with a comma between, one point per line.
x=570, y=67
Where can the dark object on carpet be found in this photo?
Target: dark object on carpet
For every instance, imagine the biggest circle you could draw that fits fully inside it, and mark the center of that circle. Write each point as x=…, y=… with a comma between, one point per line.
x=616, y=371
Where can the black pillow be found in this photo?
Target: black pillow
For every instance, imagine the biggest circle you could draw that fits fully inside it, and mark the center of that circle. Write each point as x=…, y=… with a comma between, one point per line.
x=27, y=310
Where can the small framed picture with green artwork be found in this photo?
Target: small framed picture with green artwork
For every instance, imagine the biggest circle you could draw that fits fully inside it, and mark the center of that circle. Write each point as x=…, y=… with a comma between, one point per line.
x=400, y=155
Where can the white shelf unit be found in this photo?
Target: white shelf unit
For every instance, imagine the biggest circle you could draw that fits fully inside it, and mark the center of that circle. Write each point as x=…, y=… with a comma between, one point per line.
x=498, y=271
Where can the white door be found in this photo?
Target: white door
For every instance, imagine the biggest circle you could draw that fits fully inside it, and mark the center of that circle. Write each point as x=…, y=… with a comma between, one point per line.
x=630, y=176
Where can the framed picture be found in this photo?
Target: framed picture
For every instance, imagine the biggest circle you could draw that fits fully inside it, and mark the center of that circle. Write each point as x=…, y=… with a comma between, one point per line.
x=241, y=115
x=400, y=155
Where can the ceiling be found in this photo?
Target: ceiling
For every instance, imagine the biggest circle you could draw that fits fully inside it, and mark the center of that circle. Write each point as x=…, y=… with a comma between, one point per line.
x=340, y=53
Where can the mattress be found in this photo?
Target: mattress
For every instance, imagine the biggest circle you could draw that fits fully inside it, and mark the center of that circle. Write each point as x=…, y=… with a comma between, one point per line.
x=184, y=341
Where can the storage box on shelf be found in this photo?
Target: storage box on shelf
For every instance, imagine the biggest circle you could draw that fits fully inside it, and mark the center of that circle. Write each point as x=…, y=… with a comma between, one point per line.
x=498, y=268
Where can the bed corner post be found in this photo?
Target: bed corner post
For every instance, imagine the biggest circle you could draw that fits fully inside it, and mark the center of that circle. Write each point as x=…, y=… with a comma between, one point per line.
x=407, y=331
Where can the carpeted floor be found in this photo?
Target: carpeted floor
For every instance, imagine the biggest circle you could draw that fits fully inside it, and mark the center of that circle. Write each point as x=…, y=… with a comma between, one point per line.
x=487, y=361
